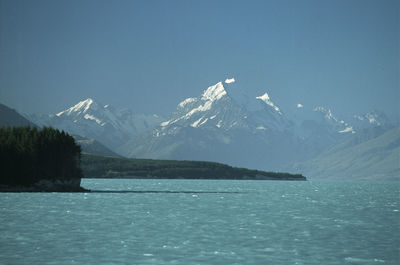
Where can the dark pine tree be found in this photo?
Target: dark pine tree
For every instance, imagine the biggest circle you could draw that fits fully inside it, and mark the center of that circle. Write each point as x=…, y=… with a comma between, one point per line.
x=29, y=155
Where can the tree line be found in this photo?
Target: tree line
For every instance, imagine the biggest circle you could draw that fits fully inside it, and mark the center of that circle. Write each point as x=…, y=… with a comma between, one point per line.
x=95, y=166
x=28, y=155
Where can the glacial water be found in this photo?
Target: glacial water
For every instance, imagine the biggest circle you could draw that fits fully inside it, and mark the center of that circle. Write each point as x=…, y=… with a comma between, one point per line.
x=204, y=222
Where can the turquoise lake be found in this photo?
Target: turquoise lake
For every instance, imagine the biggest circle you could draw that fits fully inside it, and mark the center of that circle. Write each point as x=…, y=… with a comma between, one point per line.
x=204, y=222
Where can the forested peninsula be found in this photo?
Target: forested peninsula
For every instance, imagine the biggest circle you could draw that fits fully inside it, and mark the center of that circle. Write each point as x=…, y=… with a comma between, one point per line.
x=39, y=160
x=50, y=160
x=94, y=166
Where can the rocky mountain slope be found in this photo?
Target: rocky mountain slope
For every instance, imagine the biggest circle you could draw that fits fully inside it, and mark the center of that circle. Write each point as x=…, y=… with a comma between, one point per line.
x=104, y=123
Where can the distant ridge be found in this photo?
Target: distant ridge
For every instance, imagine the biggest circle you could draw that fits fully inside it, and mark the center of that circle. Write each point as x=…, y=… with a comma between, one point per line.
x=10, y=118
x=92, y=146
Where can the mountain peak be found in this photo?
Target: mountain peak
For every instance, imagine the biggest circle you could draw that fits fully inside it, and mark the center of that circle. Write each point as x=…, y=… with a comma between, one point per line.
x=214, y=92
x=266, y=99
x=230, y=80
x=82, y=107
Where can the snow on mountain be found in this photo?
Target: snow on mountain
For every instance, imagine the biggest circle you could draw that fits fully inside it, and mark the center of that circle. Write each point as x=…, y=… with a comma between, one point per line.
x=104, y=123
x=222, y=124
x=265, y=98
x=214, y=92
x=210, y=110
x=373, y=118
x=186, y=101
x=225, y=123
x=229, y=80
x=81, y=107
x=325, y=117
x=226, y=106
x=339, y=126
x=310, y=121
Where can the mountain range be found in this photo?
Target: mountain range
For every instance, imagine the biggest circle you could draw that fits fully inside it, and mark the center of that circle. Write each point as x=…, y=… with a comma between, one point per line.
x=11, y=118
x=108, y=125
x=226, y=124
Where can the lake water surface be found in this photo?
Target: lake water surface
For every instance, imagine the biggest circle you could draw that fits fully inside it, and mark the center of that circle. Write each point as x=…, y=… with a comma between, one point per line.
x=204, y=222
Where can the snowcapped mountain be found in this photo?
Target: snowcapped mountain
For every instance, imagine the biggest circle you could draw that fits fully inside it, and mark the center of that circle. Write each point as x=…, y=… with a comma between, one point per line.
x=222, y=124
x=305, y=117
x=227, y=124
x=224, y=107
x=104, y=123
x=318, y=128
x=310, y=120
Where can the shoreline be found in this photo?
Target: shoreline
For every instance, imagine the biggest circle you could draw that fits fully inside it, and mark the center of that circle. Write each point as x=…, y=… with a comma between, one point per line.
x=21, y=189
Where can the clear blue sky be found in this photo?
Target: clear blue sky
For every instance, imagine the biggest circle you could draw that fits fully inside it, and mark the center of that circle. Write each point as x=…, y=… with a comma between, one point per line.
x=149, y=55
